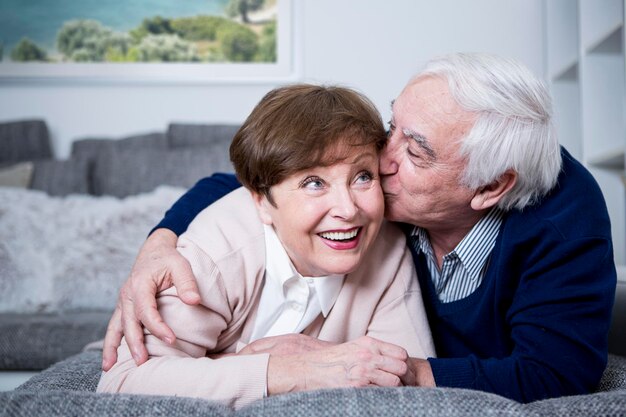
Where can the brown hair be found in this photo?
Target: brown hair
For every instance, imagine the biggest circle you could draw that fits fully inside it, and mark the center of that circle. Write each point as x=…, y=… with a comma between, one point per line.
x=299, y=127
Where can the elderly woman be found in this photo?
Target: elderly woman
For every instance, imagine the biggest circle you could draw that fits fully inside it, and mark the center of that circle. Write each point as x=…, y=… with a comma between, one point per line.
x=303, y=248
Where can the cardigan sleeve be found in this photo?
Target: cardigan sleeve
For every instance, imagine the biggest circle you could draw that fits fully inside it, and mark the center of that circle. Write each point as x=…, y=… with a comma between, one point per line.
x=202, y=194
x=400, y=316
x=183, y=369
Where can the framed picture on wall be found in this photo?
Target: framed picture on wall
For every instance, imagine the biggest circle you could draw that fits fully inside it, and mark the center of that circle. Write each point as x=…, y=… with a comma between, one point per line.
x=147, y=41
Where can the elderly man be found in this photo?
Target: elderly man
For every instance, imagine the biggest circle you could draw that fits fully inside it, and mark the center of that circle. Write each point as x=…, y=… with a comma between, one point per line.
x=510, y=238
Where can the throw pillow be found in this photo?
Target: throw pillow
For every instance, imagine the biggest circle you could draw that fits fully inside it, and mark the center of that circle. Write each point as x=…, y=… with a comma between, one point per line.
x=71, y=253
x=131, y=172
x=61, y=177
x=18, y=175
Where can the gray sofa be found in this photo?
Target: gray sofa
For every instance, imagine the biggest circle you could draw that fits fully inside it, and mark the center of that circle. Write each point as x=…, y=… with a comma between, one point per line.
x=100, y=173
x=50, y=335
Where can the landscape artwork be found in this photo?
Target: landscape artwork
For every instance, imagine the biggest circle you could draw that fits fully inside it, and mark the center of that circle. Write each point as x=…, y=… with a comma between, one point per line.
x=138, y=31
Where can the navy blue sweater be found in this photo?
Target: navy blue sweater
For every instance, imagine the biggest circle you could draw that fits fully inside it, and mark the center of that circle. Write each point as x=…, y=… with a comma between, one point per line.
x=537, y=326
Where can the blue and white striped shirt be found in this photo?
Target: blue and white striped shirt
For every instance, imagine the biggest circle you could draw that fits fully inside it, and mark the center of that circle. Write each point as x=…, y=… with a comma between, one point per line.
x=463, y=269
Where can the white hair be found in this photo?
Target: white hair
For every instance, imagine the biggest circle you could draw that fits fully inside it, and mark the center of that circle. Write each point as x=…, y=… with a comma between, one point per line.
x=513, y=128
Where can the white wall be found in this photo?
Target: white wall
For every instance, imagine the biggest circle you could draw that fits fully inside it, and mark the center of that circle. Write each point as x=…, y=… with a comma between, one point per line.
x=374, y=48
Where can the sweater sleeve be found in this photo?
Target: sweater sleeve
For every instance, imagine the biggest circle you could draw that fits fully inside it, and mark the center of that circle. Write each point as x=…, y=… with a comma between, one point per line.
x=558, y=318
x=202, y=194
x=183, y=369
x=400, y=317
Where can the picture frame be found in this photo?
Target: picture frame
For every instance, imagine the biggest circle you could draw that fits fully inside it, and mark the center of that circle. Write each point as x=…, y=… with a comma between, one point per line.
x=285, y=69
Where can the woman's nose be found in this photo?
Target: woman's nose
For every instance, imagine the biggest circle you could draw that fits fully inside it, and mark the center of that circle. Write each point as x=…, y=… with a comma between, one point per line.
x=344, y=205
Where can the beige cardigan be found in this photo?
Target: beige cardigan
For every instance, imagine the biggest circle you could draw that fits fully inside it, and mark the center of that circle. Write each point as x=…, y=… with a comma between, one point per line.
x=226, y=248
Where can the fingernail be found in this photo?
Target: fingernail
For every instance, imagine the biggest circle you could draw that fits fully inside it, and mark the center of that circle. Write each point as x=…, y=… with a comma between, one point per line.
x=169, y=340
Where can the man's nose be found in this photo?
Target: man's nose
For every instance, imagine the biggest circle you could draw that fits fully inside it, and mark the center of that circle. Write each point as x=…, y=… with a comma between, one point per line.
x=388, y=164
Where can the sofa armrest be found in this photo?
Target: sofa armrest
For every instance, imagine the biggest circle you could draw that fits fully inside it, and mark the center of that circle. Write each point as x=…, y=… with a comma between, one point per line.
x=26, y=403
x=36, y=341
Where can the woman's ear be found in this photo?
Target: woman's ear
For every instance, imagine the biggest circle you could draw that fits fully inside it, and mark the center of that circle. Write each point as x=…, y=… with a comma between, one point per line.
x=263, y=207
x=491, y=194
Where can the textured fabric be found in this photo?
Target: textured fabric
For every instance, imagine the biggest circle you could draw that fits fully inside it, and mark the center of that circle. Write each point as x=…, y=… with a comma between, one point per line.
x=60, y=178
x=79, y=372
x=60, y=391
x=88, y=149
x=124, y=173
x=463, y=269
x=364, y=402
x=63, y=404
x=35, y=341
x=225, y=247
x=537, y=327
x=201, y=135
x=91, y=150
x=24, y=140
x=614, y=376
x=374, y=402
x=71, y=253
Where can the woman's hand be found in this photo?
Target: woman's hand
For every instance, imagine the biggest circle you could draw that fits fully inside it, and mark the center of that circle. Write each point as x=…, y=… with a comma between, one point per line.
x=158, y=266
x=288, y=344
x=359, y=363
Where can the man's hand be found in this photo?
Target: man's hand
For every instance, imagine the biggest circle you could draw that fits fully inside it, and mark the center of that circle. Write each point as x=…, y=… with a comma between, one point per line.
x=362, y=362
x=422, y=372
x=158, y=266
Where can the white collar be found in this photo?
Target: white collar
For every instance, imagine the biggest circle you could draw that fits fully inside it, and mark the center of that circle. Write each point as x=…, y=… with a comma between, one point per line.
x=282, y=273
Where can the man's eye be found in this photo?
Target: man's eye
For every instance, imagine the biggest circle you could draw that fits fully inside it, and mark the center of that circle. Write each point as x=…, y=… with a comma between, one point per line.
x=412, y=154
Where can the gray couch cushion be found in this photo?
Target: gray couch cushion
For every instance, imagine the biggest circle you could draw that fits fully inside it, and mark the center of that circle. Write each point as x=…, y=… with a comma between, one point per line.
x=89, y=148
x=125, y=173
x=61, y=177
x=81, y=372
x=24, y=141
x=36, y=341
x=194, y=135
x=62, y=404
x=614, y=376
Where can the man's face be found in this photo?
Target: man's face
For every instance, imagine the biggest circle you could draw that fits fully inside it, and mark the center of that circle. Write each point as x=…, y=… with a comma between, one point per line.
x=421, y=166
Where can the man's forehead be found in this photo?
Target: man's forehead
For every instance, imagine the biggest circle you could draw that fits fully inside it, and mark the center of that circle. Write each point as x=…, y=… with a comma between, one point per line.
x=430, y=103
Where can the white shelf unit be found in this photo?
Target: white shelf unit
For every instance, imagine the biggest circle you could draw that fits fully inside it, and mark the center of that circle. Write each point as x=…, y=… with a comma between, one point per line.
x=586, y=72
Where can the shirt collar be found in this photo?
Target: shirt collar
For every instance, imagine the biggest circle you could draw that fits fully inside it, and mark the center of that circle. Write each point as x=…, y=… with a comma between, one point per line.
x=282, y=273
x=475, y=247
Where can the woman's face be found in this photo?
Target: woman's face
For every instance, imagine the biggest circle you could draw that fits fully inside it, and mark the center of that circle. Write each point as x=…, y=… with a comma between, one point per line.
x=328, y=217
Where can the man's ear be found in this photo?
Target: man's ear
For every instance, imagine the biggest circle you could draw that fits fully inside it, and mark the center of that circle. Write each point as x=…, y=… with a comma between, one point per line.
x=489, y=195
x=262, y=205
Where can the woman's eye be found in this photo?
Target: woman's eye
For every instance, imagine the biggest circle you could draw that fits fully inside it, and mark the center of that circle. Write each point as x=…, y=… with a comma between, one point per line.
x=392, y=127
x=364, y=177
x=312, y=183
